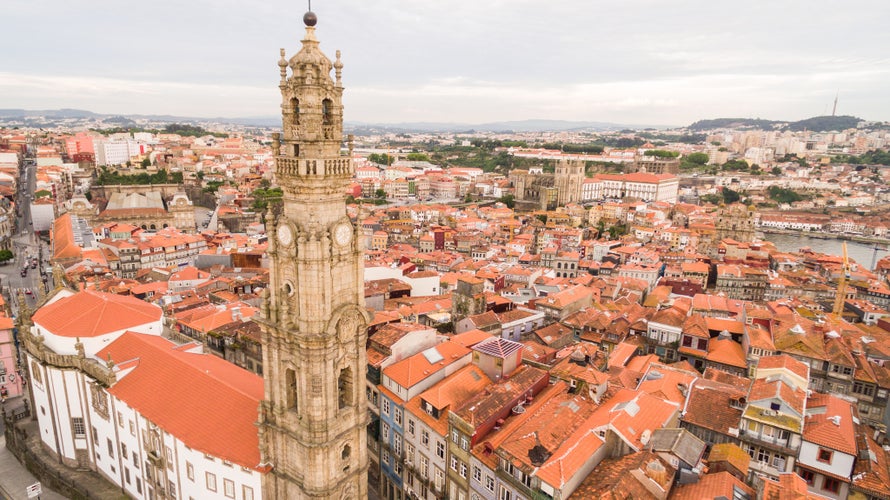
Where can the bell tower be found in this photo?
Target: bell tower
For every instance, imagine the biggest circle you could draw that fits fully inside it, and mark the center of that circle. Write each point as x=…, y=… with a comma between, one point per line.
x=313, y=417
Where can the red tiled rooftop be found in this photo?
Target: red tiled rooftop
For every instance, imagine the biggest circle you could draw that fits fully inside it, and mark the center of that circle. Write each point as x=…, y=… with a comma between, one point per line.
x=216, y=402
x=89, y=313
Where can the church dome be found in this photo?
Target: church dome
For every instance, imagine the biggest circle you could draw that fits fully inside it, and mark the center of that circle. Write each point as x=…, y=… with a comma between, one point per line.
x=310, y=63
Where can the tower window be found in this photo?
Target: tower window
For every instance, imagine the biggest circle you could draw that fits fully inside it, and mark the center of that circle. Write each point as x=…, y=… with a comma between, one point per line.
x=326, y=106
x=344, y=388
x=346, y=452
x=295, y=110
x=290, y=378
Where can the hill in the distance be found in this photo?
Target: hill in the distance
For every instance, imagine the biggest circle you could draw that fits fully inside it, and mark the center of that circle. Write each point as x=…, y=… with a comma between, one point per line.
x=816, y=124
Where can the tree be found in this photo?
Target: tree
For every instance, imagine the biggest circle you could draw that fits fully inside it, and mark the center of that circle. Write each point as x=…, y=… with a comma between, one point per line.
x=776, y=171
x=730, y=196
x=661, y=153
x=697, y=158
x=380, y=194
x=145, y=162
x=381, y=159
x=417, y=157
x=508, y=199
x=6, y=255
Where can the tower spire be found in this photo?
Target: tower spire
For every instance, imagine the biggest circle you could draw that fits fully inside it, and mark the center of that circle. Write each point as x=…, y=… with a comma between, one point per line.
x=313, y=418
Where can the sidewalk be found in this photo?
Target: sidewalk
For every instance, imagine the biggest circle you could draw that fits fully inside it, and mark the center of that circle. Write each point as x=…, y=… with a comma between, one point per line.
x=14, y=477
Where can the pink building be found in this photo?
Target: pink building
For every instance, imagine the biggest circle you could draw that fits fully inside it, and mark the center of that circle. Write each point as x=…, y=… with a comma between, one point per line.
x=10, y=379
x=79, y=143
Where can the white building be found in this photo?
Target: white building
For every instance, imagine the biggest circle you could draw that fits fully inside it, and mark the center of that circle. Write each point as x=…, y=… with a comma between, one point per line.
x=159, y=420
x=642, y=186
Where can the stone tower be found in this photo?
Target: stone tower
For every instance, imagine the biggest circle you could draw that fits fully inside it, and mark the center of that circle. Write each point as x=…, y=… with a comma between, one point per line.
x=569, y=180
x=313, y=417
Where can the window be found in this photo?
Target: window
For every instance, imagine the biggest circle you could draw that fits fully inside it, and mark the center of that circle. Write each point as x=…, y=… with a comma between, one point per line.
x=326, y=111
x=440, y=449
x=807, y=476
x=171, y=488
x=687, y=341
x=385, y=406
x=78, y=427
x=190, y=471
x=210, y=479
x=397, y=445
x=464, y=443
x=384, y=431
x=386, y=457
x=138, y=485
x=455, y=436
x=344, y=388
x=425, y=438
x=440, y=479
x=132, y=428
x=110, y=447
x=127, y=475
x=397, y=416
x=463, y=470
x=409, y=453
x=702, y=344
x=411, y=426
x=169, y=458
x=831, y=484
x=489, y=483
x=247, y=492
x=824, y=455
x=505, y=494
x=453, y=463
x=229, y=488
x=477, y=474
x=290, y=381
x=424, y=467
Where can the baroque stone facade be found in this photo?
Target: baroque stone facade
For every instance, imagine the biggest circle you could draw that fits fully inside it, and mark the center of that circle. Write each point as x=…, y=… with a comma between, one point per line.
x=313, y=418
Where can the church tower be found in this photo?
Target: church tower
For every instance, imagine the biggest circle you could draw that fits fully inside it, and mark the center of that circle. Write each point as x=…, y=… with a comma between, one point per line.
x=313, y=417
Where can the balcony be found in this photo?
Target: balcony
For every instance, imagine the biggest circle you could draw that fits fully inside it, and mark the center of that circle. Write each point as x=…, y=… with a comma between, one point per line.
x=770, y=442
x=155, y=459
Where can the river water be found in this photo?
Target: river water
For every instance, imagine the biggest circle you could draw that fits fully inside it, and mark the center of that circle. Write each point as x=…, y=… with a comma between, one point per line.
x=863, y=253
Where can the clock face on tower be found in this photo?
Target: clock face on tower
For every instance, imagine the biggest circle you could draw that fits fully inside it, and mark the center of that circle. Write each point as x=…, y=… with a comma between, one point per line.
x=343, y=234
x=285, y=235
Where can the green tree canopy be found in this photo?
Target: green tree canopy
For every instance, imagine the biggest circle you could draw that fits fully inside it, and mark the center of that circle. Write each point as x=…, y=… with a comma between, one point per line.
x=662, y=153
x=697, y=158
x=381, y=159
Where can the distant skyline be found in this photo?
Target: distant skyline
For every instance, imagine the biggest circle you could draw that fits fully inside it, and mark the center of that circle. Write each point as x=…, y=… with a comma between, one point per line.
x=461, y=61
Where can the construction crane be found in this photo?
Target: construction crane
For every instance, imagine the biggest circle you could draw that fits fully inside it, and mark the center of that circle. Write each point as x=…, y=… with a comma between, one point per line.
x=838, y=310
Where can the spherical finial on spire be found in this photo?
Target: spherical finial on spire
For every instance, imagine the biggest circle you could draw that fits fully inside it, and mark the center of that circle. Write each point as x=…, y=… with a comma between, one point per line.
x=310, y=19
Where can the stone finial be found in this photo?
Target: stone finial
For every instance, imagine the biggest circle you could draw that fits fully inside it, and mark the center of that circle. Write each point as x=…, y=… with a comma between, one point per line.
x=58, y=277
x=350, y=141
x=276, y=143
x=282, y=65
x=109, y=362
x=338, y=69
x=78, y=346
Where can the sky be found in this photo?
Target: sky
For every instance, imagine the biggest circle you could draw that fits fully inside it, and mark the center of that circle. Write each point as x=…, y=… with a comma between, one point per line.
x=643, y=62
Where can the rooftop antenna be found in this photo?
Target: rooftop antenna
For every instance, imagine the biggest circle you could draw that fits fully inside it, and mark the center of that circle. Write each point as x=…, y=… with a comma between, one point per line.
x=834, y=109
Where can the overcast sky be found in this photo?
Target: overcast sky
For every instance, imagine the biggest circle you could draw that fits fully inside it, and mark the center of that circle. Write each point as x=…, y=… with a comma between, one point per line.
x=466, y=61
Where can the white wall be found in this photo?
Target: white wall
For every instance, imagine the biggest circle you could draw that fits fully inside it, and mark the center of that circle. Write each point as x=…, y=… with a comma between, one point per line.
x=841, y=463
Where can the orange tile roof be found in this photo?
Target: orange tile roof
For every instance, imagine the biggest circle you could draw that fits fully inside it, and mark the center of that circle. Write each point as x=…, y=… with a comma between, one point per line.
x=408, y=372
x=64, y=246
x=731, y=453
x=726, y=352
x=89, y=313
x=720, y=484
x=215, y=401
x=821, y=429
